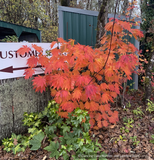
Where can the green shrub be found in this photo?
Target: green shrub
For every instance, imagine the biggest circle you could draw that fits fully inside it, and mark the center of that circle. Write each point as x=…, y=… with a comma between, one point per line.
x=150, y=107
x=71, y=134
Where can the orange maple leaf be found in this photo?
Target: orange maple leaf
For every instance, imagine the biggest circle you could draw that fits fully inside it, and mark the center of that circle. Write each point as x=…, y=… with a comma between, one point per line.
x=77, y=93
x=105, y=116
x=107, y=107
x=81, y=105
x=113, y=94
x=52, y=44
x=111, y=87
x=99, y=77
x=53, y=92
x=102, y=108
x=63, y=94
x=104, y=86
x=43, y=60
x=39, y=83
x=68, y=106
x=99, y=124
x=37, y=48
x=104, y=123
x=61, y=40
x=63, y=114
x=116, y=88
x=92, y=122
x=115, y=115
x=105, y=97
x=29, y=73
x=57, y=81
x=82, y=80
x=112, y=120
x=83, y=97
x=108, y=26
x=98, y=117
x=87, y=105
x=32, y=61
x=93, y=106
x=23, y=50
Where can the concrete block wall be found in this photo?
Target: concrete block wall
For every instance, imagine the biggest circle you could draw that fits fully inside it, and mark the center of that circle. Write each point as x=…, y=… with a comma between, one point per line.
x=16, y=97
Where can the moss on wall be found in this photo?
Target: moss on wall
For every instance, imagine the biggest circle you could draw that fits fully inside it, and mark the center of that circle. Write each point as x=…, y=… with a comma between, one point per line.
x=17, y=97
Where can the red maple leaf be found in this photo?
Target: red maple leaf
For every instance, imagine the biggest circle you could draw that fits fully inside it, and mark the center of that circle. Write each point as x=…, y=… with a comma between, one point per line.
x=90, y=90
x=23, y=50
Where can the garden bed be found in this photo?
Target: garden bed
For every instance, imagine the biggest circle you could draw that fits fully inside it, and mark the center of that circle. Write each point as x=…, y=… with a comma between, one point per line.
x=130, y=138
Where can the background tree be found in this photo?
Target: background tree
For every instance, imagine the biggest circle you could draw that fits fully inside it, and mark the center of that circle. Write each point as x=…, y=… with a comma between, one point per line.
x=37, y=14
x=68, y=3
x=101, y=20
x=148, y=43
x=65, y=2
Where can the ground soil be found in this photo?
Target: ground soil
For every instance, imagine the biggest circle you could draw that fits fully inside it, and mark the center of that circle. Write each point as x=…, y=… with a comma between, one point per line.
x=114, y=141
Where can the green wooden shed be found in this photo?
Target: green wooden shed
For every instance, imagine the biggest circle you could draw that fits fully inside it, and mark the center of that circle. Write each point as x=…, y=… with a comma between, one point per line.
x=81, y=25
x=23, y=33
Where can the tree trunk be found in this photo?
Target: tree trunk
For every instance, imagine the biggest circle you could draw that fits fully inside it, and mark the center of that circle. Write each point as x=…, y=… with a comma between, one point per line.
x=125, y=6
x=65, y=2
x=101, y=21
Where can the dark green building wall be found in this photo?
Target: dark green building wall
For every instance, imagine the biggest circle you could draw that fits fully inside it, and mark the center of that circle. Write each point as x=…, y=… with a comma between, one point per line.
x=80, y=27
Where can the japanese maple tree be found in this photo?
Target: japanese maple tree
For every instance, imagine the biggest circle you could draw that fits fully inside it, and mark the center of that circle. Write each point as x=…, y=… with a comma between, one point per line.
x=90, y=79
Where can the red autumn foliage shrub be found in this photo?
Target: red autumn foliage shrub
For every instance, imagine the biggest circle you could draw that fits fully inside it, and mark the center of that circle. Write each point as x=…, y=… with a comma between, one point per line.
x=80, y=76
